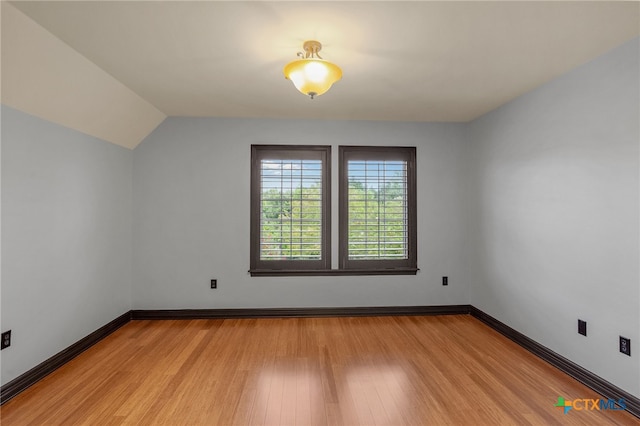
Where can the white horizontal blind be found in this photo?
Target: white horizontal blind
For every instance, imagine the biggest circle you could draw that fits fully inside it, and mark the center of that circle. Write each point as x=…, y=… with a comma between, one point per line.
x=377, y=209
x=290, y=209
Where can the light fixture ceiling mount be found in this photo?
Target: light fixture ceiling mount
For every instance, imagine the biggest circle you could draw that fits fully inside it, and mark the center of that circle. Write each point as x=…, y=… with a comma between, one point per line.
x=311, y=74
x=311, y=49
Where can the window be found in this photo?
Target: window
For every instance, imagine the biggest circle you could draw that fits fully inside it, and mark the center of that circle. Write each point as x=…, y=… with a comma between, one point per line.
x=291, y=211
x=378, y=208
x=289, y=208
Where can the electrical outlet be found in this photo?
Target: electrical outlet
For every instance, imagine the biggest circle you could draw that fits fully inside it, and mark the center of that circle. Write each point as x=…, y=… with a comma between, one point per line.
x=214, y=283
x=582, y=327
x=6, y=339
x=445, y=280
x=625, y=345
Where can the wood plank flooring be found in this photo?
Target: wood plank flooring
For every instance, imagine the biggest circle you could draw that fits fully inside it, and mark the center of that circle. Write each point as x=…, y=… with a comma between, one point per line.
x=430, y=370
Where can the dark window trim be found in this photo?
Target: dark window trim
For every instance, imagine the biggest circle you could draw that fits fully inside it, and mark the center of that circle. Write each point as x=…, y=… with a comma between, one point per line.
x=285, y=267
x=261, y=268
x=331, y=272
x=408, y=154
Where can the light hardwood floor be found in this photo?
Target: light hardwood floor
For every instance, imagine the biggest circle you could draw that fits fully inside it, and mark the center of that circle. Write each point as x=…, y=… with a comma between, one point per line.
x=430, y=370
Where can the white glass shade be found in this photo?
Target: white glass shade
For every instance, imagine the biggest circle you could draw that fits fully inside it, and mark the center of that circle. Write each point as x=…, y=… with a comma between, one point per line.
x=312, y=77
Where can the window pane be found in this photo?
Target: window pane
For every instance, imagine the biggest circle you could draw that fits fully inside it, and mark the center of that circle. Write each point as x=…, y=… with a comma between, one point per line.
x=377, y=210
x=290, y=210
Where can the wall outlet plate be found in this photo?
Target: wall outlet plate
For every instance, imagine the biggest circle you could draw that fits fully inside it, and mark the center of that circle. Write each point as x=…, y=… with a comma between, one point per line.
x=445, y=280
x=582, y=327
x=6, y=340
x=625, y=345
x=214, y=283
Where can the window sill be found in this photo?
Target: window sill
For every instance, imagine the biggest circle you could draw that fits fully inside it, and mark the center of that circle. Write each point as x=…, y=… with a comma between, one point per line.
x=329, y=272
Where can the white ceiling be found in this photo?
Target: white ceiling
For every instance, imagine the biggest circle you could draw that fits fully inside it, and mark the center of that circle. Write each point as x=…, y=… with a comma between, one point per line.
x=405, y=61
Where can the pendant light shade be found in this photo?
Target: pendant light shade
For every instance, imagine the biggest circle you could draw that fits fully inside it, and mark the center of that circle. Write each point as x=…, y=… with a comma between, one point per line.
x=312, y=75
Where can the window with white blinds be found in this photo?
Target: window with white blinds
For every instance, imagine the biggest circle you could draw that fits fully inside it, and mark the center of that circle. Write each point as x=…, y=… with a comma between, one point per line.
x=377, y=208
x=289, y=207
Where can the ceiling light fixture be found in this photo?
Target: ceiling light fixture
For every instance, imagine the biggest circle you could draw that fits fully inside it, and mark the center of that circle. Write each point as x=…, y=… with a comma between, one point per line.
x=312, y=75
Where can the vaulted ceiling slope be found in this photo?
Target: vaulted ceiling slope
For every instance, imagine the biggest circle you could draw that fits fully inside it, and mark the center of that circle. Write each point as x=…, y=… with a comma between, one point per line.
x=43, y=76
x=402, y=61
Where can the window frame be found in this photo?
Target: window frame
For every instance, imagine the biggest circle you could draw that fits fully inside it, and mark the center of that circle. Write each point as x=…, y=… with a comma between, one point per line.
x=289, y=152
x=377, y=266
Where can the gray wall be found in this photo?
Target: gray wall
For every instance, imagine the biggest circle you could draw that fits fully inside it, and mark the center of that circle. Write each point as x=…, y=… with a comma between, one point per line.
x=555, y=198
x=66, y=237
x=191, y=216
